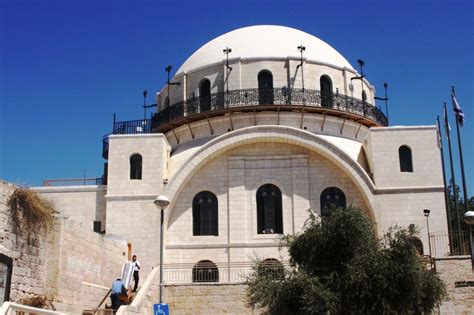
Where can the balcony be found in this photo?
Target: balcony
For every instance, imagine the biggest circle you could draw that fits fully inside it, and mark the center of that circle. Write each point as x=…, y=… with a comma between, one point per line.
x=281, y=99
x=140, y=126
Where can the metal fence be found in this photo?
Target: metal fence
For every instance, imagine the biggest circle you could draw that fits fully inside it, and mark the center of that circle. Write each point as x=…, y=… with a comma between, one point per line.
x=449, y=244
x=72, y=182
x=209, y=272
x=265, y=97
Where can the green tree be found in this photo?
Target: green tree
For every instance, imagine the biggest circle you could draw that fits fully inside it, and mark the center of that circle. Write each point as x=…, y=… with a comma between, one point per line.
x=338, y=266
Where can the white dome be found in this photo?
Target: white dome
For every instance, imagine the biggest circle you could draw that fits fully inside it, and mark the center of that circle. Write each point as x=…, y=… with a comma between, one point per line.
x=264, y=41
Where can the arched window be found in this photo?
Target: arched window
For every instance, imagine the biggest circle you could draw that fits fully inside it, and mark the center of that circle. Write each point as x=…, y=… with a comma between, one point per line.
x=167, y=108
x=265, y=87
x=205, y=271
x=271, y=268
x=205, y=214
x=404, y=155
x=205, y=95
x=326, y=91
x=364, y=97
x=136, y=166
x=418, y=244
x=332, y=197
x=269, y=210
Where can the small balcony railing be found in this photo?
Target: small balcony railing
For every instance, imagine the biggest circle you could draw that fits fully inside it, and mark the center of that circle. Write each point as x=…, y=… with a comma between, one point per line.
x=265, y=99
x=125, y=128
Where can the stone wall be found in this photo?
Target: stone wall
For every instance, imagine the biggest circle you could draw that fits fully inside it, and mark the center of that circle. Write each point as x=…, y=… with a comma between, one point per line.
x=71, y=266
x=87, y=263
x=456, y=269
x=29, y=273
x=208, y=298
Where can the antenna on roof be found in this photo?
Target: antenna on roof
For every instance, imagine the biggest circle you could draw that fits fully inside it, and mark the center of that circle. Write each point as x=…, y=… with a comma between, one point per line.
x=301, y=48
x=145, y=106
x=227, y=51
x=385, y=86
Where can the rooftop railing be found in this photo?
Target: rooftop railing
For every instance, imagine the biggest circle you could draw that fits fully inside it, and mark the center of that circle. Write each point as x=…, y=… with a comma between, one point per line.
x=130, y=127
x=264, y=99
x=73, y=182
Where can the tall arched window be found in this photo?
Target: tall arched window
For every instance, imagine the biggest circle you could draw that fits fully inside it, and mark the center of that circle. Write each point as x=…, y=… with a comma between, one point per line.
x=326, y=91
x=404, y=155
x=332, y=197
x=269, y=210
x=167, y=108
x=136, y=166
x=265, y=87
x=205, y=271
x=205, y=218
x=205, y=95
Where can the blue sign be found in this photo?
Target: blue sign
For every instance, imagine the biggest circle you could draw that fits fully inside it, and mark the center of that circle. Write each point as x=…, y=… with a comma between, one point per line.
x=161, y=309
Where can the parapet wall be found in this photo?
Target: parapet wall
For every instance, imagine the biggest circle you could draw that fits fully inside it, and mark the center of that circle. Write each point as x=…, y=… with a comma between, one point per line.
x=456, y=270
x=200, y=299
x=70, y=266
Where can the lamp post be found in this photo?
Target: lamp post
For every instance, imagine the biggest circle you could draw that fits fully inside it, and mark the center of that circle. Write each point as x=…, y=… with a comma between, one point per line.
x=469, y=219
x=161, y=202
x=426, y=212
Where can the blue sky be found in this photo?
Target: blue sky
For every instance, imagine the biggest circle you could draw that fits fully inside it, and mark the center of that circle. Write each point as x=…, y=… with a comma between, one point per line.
x=67, y=66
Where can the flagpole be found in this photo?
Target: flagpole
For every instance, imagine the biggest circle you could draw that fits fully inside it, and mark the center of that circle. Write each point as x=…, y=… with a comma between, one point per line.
x=446, y=198
x=466, y=204
x=455, y=193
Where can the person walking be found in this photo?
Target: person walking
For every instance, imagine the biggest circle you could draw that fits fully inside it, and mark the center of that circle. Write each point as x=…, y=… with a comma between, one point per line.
x=136, y=268
x=118, y=288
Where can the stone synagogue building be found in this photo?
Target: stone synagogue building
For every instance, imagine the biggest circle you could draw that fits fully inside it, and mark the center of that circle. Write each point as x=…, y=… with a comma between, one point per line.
x=256, y=128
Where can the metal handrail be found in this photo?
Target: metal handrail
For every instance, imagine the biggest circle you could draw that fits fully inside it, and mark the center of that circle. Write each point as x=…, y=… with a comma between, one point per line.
x=289, y=98
x=103, y=300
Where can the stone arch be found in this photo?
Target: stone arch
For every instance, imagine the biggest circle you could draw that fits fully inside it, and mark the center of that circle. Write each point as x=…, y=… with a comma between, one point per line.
x=282, y=134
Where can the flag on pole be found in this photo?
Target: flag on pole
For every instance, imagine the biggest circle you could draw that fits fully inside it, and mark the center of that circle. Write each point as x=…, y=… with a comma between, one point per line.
x=457, y=110
x=447, y=127
x=438, y=135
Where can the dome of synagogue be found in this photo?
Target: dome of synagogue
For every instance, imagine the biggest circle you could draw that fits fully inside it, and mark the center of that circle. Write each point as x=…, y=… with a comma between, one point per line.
x=264, y=41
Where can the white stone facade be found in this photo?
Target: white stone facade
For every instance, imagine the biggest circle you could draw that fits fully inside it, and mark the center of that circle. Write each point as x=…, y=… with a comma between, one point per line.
x=232, y=153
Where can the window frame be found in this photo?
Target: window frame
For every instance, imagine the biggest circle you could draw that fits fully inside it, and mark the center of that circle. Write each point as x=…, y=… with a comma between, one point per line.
x=262, y=211
x=204, y=99
x=205, y=267
x=326, y=98
x=405, y=159
x=136, y=167
x=265, y=94
x=213, y=215
x=8, y=261
x=326, y=207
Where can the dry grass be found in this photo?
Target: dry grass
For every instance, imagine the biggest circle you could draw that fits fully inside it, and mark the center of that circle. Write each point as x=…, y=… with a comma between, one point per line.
x=38, y=302
x=31, y=214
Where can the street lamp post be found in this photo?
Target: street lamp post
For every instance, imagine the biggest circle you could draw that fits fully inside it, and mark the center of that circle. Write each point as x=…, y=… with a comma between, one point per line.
x=426, y=212
x=161, y=202
x=469, y=219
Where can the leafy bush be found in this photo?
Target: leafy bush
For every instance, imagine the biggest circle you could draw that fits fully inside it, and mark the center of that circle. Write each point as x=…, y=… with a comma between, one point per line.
x=338, y=266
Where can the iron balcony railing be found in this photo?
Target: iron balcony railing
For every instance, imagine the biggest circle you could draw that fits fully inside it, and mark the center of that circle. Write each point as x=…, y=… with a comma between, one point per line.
x=289, y=98
x=139, y=126
x=235, y=272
